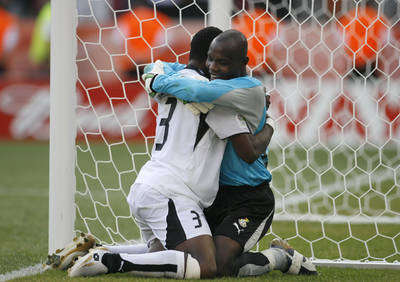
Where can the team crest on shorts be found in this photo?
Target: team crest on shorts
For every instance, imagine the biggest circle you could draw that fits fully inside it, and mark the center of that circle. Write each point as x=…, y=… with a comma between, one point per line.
x=243, y=222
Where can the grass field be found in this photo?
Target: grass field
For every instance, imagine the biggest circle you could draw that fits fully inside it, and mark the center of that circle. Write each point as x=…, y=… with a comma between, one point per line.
x=24, y=213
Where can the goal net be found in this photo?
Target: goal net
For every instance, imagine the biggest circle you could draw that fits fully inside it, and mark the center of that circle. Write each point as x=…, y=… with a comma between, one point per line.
x=332, y=71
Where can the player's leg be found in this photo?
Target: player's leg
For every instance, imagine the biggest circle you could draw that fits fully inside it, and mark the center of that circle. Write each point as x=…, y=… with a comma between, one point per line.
x=140, y=248
x=298, y=264
x=202, y=249
x=281, y=256
x=240, y=235
x=239, y=218
x=183, y=228
x=169, y=263
x=227, y=251
x=153, y=245
x=188, y=231
x=151, y=209
x=65, y=257
x=81, y=244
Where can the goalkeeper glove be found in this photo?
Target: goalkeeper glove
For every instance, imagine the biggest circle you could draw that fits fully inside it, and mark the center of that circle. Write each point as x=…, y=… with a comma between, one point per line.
x=151, y=72
x=148, y=80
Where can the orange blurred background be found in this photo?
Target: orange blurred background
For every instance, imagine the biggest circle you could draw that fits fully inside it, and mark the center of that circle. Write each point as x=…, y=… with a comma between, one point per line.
x=339, y=39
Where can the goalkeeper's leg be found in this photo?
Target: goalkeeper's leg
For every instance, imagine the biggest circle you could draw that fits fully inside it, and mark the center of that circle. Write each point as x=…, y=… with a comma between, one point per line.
x=281, y=256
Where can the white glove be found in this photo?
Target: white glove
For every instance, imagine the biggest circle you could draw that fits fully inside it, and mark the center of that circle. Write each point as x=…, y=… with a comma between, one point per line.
x=148, y=79
x=156, y=68
x=198, y=108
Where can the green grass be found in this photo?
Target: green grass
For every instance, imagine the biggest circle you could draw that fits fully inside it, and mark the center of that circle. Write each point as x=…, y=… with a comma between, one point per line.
x=24, y=208
x=325, y=274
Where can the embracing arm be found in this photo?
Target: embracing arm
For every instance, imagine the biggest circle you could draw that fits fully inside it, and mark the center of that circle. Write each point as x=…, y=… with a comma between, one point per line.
x=249, y=147
x=245, y=95
x=189, y=89
x=168, y=68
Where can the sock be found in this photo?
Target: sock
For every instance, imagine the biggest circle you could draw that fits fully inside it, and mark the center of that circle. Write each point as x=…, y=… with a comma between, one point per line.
x=278, y=258
x=252, y=264
x=170, y=263
x=127, y=249
x=257, y=263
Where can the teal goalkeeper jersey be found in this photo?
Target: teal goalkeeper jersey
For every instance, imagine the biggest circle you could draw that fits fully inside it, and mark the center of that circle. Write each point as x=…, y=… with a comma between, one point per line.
x=245, y=95
x=236, y=172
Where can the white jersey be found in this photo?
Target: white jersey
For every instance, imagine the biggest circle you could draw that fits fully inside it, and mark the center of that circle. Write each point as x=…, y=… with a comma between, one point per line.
x=186, y=155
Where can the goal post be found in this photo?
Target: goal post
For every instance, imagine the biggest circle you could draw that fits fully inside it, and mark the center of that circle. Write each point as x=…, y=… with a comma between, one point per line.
x=62, y=123
x=220, y=15
x=331, y=69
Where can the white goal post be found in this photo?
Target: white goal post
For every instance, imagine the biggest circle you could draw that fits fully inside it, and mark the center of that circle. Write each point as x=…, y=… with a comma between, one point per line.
x=62, y=123
x=331, y=68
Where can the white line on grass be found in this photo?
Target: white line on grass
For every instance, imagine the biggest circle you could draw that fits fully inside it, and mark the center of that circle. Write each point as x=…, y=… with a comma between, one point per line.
x=27, y=271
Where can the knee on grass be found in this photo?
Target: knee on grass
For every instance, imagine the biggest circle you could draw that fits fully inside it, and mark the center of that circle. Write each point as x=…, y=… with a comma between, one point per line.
x=225, y=266
x=208, y=269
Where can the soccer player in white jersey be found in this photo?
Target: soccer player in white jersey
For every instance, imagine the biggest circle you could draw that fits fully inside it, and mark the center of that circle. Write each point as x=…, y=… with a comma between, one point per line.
x=172, y=189
x=244, y=207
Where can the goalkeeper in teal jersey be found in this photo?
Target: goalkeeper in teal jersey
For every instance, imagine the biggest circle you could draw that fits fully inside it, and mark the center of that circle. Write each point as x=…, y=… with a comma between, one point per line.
x=243, y=209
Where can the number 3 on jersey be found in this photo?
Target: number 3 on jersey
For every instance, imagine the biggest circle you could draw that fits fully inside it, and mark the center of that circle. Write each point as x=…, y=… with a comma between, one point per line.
x=165, y=122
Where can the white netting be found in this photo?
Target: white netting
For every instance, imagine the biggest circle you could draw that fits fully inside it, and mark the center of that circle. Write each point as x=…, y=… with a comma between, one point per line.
x=332, y=70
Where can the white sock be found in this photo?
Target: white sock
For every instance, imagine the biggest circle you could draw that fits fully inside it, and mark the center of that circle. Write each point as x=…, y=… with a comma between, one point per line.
x=277, y=258
x=169, y=263
x=128, y=249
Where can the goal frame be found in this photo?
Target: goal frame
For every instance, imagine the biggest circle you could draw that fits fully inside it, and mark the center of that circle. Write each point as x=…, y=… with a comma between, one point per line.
x=62, y=158
x=63, y=76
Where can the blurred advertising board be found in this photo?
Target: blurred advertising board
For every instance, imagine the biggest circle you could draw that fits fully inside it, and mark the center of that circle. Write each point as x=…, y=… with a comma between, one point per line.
x=306, y=110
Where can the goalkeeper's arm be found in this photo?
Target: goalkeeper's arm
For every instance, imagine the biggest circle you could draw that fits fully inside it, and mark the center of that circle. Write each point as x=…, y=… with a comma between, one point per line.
x=245, y=95
x=189, y=89
x=168, y=68
x=163, y=77
x=159, y=67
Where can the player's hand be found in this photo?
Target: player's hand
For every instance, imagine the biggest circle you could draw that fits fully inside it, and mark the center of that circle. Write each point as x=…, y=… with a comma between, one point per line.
x=148, y=80
x=156, y=68
x=192, y=108
x=197, y=108
x=151, y=71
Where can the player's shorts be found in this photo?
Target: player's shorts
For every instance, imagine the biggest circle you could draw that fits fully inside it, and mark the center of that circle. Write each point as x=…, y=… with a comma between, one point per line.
x=171, y=220
x=242, y=213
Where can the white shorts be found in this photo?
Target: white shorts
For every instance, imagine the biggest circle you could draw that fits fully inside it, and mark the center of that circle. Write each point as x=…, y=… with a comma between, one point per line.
x=172, y=220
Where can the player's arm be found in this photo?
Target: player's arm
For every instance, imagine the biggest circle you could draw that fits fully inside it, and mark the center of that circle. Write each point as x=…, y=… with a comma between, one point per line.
x=245, y=95
x=161, y=77
x=168, y=68
x=189, y=89
x=228, y=124
x=249, y=147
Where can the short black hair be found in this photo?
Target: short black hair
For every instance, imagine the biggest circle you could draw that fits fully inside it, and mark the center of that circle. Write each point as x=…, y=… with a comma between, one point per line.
x=201, y=41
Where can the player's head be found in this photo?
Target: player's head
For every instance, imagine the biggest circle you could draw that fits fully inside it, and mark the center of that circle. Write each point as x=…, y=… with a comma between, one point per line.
x=200, y=43
x=227, y=56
